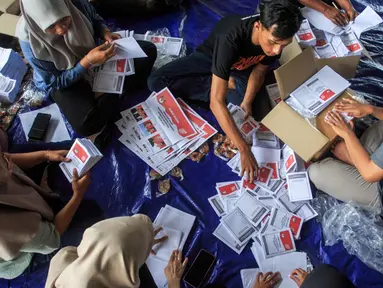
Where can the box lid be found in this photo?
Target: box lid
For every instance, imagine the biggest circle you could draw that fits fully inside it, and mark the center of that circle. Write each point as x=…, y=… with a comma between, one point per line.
x=294, y=130
x=8, y=24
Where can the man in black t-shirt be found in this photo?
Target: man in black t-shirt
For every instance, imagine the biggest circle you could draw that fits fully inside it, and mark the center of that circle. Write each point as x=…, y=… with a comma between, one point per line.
x=230, y=66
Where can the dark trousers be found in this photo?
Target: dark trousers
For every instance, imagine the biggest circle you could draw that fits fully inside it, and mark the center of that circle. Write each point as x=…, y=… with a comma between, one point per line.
x=326, y=276
x=146, y=279
x=88, y=115
x=190, y=78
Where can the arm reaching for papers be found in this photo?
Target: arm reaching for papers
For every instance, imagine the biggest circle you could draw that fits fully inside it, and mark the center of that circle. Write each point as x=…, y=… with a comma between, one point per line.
x=267, y=280
x=175, y=269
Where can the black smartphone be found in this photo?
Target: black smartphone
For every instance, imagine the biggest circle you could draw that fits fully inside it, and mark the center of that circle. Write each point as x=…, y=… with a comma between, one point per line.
x=39, y=127
x=199, y=269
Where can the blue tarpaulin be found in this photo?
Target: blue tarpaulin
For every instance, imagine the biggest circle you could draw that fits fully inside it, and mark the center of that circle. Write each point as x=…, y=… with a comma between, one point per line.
x=120, y=182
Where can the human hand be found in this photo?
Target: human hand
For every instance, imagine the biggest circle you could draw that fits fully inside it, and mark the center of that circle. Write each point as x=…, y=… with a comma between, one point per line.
x=175, y=269
x=57, y=156
x=80, y=185
x=247, y=107
x=337, y=16
x=268, y=280
x=249, y=164
x=101, y=54
x=337, y=123
x=110, y=36
x=160, y=240
x=299, y=276
x=353, y=108
x=351, y=13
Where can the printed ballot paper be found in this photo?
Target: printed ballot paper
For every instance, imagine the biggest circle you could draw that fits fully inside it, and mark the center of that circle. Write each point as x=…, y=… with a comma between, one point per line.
x=246, y=127
x=252, y=208
x=274, y=95
x=223, y=234
x=217, y=204
x=263, y=137
x=84, y=155
x=127, y=48
x=306, y=212
x=305, y=35
x=277, y=243
x=281, y=219
x=238, y=226
x=320, y=90
x=165, y=45
x=299, y=186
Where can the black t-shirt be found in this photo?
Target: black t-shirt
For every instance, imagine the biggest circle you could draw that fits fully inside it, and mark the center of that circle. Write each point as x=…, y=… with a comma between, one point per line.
x=230, y=46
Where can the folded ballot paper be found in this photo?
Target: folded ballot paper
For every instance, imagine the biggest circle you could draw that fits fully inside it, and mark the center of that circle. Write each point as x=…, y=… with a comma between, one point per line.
x=84, y=155
x=165, y=45
x=12, y=71
x=163, y=131
x=246, y=127
x=177, y=225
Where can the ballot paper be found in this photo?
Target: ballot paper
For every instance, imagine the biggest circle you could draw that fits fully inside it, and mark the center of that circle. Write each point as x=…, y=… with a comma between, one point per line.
x=106, y=82
x=321, y=39
x=320, y=90
x=238, y=226
x=246, y=127
x=284, y=199
x=352, y=43
x=274, y=95
x=274, y=186
x=173, y=218
x=125, y=33
x=337, y=44
x=166, y=45
x=127, y=48
x=306, y=212
x=253, y=188
x=118, y=67
x=84, y=155
x=299, y=186
x=252, y=208
x=291, y=162
x=305, y=35
x=249, y=276
x=269, y=201
x=283, y=189
x=165, y=249
x=266, y=155
x=325, y=51
x=264, y=175
x=366, y=20
x=226, y=237
x=281, y=219
x=229, y=193
x=275, y=167
x=56, y=132
x=217, y=204
x=157, y=267
x=320, y=21
x=263, y=137
x=277, y=243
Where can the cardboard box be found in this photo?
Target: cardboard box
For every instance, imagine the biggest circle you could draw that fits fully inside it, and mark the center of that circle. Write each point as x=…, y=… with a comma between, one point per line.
x=307, y=141
x=9, y=16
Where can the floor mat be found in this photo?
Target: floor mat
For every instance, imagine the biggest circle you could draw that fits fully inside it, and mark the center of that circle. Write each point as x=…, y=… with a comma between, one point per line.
x=120, y=181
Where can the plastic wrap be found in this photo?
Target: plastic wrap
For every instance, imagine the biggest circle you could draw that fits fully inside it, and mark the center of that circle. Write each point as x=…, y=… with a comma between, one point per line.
x=323, y=203
x=357, y=229
x=162, y=57
x=32, y=96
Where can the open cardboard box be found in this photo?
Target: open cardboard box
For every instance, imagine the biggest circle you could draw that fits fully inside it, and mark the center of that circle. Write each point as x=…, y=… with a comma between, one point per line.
x=308, y=142
x=9, y=16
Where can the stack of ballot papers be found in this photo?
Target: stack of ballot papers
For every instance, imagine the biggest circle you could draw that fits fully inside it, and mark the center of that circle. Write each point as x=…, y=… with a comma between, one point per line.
x=274, y=94
x=165, y=45
x=84, y=155
x=12, y=71
x=163, y=131
x=305, y=35
x=110, y=77
x=248, y=126
x=177, y=225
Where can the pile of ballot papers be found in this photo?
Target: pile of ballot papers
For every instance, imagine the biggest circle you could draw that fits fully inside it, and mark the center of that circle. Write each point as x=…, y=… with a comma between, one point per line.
x=271, y=211
x=83, y=155
x=12, y=71
x=163, y=131
x=175, y=224
x=330, y=40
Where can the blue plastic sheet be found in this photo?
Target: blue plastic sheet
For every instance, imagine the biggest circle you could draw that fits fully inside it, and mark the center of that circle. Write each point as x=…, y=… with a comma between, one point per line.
x=120, y=182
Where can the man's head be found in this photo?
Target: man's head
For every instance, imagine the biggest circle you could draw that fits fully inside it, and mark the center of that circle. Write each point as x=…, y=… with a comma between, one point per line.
x=279, y=21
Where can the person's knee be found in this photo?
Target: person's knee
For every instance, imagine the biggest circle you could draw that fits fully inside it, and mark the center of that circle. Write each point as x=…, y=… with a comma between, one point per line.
x=156, y=82
x=314, y=172
x=91, y=124
x=149, y=48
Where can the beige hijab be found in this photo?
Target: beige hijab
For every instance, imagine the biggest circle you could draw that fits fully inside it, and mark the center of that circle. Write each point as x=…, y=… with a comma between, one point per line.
x=110, y=255
x=64, y=51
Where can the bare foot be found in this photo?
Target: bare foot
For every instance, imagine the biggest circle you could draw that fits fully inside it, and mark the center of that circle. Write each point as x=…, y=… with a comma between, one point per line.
x=231, y=84
x=340, y=152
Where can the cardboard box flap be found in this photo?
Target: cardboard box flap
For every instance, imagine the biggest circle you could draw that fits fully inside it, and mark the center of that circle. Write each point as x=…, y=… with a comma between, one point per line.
x=8, y=24
x=290, y=52
x=344, y=66
x=295, y=131
x=10, y=6
x=295, y=72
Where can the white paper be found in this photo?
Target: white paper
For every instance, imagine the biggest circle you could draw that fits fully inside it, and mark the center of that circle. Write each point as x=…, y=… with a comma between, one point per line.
x=56, y=131
x=337, y=44
x=274, y=94
x=320, y=21
x=217, y=204
x=238, y=226
x=266, y=155
x=299, y=186
x=252, y=208
x=247, y=127
x=157, y=267
x=107, y=82
x=165, y=249
x=281, y=219
x=4, y=56
x=167, y=45
x=366, y=20
x=325, y=51
x=127, y=48
x=305, y=36
x=277, y=243
x=249, y=276
x=269, y=201
x=225, y=236
x=306, y=212
x=352, y=43
x=284, y=199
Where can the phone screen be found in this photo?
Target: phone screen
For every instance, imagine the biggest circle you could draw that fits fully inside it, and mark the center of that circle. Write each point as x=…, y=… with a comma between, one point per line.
x=199, y=269
x=39, y=126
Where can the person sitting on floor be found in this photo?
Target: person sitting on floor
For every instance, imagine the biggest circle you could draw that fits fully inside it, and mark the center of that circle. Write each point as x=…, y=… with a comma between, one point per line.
x=58, y=38
x=357, y=173
x=28, y=224
x=112, y=253
x=230, y=66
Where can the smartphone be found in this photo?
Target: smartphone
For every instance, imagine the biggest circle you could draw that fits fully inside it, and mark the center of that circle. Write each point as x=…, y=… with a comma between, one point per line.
x=39, y=127
x=199, y=269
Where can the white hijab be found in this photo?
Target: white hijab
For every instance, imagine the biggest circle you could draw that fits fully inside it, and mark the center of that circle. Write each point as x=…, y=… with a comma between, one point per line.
x=64, y=51
x=110, y=255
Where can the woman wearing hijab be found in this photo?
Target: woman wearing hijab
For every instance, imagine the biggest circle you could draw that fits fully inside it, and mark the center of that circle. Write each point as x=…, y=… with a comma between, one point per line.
x=58, y=38
x=27, y=223
x=112, y=254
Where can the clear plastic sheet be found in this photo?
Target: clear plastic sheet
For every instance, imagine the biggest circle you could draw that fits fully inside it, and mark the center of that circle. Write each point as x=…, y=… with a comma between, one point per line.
x=323, y=203
x=356, y=227
x=32, y=96
x=162, y=57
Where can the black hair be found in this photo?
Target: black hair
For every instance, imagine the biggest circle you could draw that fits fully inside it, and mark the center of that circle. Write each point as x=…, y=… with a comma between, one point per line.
x=285, y=14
